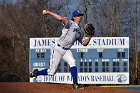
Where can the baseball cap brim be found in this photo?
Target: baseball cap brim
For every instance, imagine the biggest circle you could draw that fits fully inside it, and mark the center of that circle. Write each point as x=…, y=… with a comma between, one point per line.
x=78, y=15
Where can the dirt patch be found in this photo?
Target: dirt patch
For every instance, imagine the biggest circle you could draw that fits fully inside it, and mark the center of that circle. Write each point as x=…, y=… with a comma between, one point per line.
x=26, y=87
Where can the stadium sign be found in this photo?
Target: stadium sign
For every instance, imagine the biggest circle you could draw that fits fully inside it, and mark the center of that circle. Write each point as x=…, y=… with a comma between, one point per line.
x=104, y=61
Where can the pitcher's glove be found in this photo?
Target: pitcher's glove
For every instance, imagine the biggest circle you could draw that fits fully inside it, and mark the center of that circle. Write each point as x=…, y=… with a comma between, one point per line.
x=89, y=29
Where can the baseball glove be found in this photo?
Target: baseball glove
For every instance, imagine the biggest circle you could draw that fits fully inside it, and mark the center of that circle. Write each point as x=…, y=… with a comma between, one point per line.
x=89, y=29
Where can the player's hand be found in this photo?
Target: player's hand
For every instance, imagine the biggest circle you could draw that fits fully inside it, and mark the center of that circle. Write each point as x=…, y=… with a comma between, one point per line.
x=44, y=12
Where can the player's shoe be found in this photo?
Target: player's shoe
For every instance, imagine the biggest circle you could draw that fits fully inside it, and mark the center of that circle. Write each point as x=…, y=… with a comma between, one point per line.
x=77, y=86
x=32, y=74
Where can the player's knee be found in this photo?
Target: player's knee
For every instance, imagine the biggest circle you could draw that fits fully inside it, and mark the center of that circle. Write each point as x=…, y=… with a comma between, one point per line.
x=72, y=63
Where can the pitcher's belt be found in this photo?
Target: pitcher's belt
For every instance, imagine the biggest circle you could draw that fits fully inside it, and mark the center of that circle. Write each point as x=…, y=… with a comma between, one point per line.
x=63, y=47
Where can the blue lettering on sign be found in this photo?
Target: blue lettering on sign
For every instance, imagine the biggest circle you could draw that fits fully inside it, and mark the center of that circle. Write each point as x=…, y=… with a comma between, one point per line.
x=109, y=41
x=102, y=78
x=84, y=78
x=69, y=78
x=61, y=78
x=77, y=43
x=44, y=42
x=50, y=78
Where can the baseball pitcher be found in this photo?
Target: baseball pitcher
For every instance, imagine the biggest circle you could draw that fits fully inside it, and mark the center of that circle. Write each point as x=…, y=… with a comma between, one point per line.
x=70, y=33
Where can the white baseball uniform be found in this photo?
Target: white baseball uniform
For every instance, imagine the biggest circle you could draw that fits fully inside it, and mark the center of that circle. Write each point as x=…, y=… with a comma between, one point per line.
x=70, y=33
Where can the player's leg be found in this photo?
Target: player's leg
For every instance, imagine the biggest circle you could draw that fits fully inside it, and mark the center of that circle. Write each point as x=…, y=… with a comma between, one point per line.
x=55, y=58
x=54, y=62
x=68, y=57
x=36, y=73
x=52, y=57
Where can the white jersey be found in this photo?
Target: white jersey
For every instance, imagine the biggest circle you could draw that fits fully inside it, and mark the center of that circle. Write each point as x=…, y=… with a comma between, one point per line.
x=70, y=33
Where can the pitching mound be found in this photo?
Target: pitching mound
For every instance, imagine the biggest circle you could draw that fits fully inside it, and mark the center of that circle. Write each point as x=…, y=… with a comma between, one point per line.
x=26, y=87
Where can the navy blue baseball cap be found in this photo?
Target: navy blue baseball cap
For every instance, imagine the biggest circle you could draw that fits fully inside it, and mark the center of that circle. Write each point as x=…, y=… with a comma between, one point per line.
x=77, y=13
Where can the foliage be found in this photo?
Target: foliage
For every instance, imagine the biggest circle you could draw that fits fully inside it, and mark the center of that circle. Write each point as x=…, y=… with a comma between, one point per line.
x=20, y=21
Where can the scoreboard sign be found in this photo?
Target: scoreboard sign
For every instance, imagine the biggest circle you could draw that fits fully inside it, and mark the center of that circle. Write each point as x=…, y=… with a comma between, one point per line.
x=104, y=61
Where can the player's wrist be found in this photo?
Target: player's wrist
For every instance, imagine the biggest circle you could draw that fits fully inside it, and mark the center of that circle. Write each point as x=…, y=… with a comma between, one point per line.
x=89, y=37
